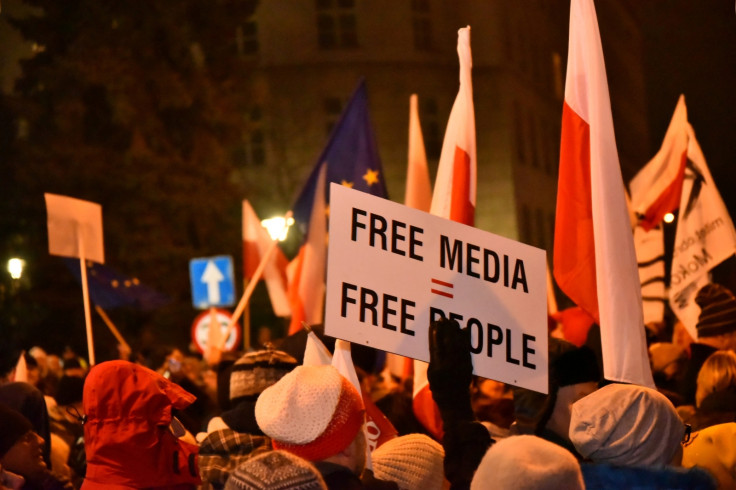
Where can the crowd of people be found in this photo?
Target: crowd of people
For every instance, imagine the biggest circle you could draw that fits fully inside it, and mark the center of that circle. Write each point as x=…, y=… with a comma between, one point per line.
x=172, y=419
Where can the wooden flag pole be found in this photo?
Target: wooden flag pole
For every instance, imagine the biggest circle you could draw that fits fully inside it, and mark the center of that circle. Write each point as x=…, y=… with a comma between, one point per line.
x=85, y=296
x=252, y=285
x=112, y=327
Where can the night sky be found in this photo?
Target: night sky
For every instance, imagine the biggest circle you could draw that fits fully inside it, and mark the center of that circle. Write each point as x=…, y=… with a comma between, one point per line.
x=691, y=49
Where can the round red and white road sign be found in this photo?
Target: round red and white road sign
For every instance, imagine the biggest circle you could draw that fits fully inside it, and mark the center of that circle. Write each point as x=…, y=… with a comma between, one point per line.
x=201, y=330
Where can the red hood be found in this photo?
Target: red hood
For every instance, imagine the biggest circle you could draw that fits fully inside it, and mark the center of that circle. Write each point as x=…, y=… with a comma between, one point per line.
x=127, y=439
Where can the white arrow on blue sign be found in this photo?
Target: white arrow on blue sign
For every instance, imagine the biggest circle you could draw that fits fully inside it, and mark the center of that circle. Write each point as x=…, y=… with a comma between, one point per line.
x=212, y=281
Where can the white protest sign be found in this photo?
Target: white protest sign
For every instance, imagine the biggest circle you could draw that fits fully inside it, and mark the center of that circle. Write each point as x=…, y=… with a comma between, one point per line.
x=391, y=270
x=75, y=228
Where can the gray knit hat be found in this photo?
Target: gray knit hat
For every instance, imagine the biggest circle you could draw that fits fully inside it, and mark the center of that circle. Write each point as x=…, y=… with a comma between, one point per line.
x=626, y=425
x=717, y=310
x=276, y=470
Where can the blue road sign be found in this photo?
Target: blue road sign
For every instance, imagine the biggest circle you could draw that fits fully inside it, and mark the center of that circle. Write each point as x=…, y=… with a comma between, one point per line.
x=212, y=281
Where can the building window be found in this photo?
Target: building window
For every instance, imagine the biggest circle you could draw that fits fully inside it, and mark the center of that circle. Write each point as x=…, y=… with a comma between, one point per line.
x=253, y=150
x=422, y=25
x=519, y=138
x=541, y=229
x=246, y=38
x=526, y=224
x=557, y=75
x=533, y=148
x=333, y=109
x=431, y=128
x=336, y=24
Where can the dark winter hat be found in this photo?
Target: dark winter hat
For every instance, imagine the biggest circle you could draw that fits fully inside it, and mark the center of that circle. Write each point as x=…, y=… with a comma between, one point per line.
x=256, y=371
x=13, y=426
x=69, y=390
x=717, y=311
x=276, y=469
x=577, y=365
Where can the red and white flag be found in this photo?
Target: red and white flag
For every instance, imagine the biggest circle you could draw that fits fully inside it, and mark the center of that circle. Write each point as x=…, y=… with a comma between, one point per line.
x=256, y=243
x=594, y=258
x=705, y=236
x=454, y=198
x=306, y=272
x=656, y=188
x=418, y=187
x=418, y=195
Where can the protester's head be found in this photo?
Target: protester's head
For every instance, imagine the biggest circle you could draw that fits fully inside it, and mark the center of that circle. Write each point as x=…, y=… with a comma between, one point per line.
x=315, y=413
x=130, y=430
x=276, y=469
x=250, y=375
x=73, y=367
x=413, y=461
x=717, y=321
x=626, y=425
x=69, y=391
x=527, y=462
x=574, y=373
x=21, y=449
x=667, y=360
x=29, y=402
x=717, y=374
x=714, y=449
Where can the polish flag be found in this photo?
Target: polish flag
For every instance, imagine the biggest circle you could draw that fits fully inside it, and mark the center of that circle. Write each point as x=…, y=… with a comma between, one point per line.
x=256, y=243
x=594, y=258
x=656, y=189
x=453, y=198
x=306, y=272
x=418, y=195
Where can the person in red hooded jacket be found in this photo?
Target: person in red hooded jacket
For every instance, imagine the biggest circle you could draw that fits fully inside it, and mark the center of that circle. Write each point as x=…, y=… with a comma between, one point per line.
x=131, y=437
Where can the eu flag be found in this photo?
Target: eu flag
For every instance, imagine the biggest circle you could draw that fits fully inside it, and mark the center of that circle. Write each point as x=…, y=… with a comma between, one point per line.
x=351, y=156
x=110, y=289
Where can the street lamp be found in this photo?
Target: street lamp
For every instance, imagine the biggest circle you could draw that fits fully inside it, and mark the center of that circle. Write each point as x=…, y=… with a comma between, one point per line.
x=278, y=228
x=669, y=218
x=15, y=267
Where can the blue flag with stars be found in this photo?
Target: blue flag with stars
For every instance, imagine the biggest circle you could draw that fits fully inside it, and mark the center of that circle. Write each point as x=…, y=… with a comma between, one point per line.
x=351, y=156
x=111, y=289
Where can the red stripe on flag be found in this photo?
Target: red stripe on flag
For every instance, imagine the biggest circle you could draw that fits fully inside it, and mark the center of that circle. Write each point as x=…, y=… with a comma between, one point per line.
x=427, y=413
x=461, y=209
x=298, y=313
x=668, y=200
x=574, y=253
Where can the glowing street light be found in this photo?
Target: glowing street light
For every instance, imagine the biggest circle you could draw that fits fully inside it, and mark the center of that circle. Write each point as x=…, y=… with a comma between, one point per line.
x=669, y=218
x=15, y=267
x=278, y=228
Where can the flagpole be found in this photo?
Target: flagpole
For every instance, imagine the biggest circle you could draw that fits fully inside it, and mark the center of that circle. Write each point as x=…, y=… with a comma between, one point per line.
x=112, y=327
x=252, y=284
x=85, y=297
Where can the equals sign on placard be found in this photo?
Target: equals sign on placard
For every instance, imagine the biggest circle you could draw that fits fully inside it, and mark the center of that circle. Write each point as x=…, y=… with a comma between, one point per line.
x=444, y=285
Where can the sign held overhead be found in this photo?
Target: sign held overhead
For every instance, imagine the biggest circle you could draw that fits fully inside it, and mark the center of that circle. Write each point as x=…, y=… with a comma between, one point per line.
x=392, y=270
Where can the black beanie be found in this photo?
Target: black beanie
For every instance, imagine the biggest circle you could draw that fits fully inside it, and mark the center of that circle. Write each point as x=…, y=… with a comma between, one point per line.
x=13, y=426
x=717, y=311
x=69, y=390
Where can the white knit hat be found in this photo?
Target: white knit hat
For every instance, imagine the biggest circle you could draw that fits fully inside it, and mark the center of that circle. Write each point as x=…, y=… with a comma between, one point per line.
x=413, y=461
x=626, y=425
x=313, y=412
x=527, y=463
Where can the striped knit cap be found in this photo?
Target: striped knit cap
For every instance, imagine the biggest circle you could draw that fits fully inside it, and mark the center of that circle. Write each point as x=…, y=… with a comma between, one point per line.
x=256, y=371
x=276, y=470
x=717, y=311
x=413, y=461
x=313, y=412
